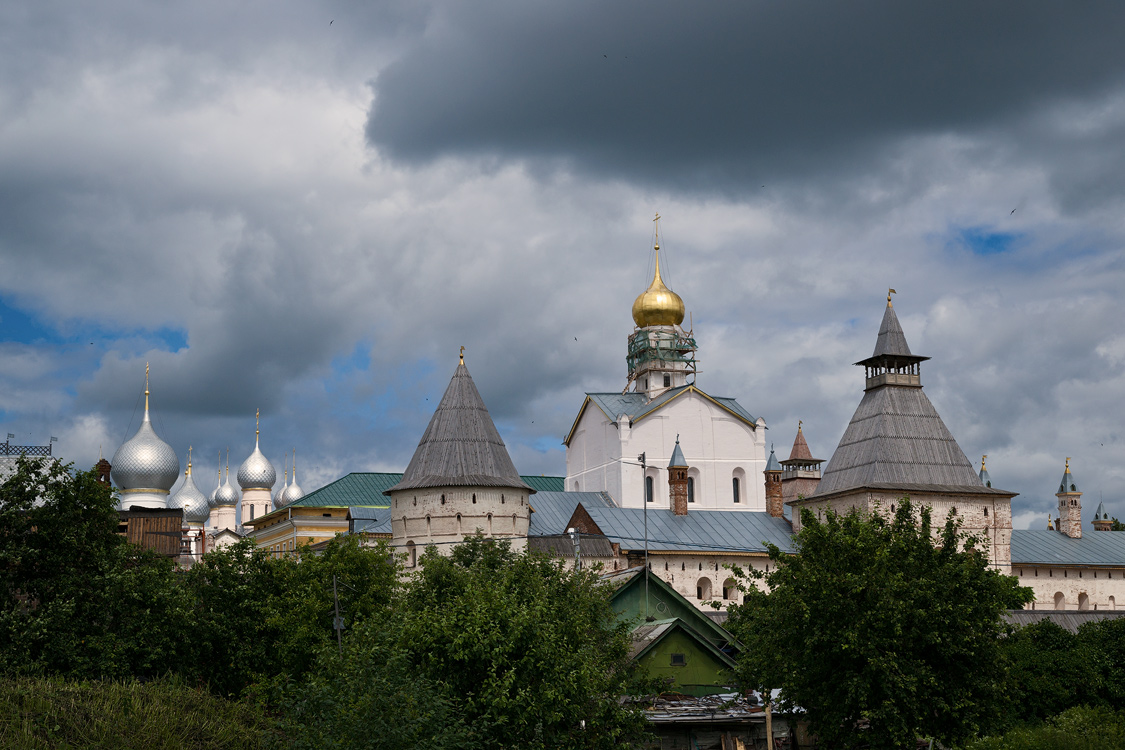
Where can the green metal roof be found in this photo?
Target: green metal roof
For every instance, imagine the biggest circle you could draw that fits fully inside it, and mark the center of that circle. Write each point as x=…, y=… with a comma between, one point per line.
x=365, y=489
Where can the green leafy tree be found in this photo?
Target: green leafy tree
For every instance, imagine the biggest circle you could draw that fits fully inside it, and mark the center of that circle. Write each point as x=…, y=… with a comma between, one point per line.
x=371, y=697
x=1117, y=525
x=530, y=654
x=301, y=614
x=1050, y=670
x=76, y=598
x=879, y=630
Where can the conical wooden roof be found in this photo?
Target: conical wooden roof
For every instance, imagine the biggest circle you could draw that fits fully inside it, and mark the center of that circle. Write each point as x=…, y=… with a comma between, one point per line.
x=461, y=447
x=896, y=439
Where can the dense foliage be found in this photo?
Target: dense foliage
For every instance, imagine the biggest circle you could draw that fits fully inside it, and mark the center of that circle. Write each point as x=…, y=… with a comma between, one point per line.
x=880, y=624
x=44, y=713
x=1052, y=669
x=485, y=647
x=1078, y=728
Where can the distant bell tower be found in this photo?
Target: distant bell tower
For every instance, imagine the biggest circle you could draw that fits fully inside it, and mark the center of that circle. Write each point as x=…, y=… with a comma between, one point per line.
x=1070, y=505
x=678, y=481
x=775, y=505
x=661, y=353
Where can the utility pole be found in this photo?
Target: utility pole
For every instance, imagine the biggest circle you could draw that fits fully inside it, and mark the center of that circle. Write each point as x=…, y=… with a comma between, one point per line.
x=576, y=538
x=337, y=621
x=644, y=498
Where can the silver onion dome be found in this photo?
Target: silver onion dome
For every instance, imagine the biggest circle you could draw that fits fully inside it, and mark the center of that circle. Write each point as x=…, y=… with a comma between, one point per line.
x=226, y=494
x=191, y=500
x=144, y=461
x=293, y=492
x=256, y=472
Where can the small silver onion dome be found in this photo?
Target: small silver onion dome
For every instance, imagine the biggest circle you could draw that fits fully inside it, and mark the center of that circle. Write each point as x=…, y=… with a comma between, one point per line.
x=256, y=471
x=293, y=492
x=144, y=461
x=226, y=494
x=191, y=500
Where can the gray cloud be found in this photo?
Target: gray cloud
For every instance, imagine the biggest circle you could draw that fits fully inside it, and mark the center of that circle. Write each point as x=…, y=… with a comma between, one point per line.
x=732, y=94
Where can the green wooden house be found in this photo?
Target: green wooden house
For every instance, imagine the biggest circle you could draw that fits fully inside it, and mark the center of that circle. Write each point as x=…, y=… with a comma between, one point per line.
x=672, y=638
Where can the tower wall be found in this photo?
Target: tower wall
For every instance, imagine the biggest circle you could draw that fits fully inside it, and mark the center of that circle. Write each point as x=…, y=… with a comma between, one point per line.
x=1070, y=514
x=444, y=516
x=255, y=503
x=774, y=502
x=143, y=499
x=677, y=489
x=223, y=517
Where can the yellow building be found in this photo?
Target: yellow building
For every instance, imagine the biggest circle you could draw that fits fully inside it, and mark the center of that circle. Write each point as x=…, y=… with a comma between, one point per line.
x=321, y=515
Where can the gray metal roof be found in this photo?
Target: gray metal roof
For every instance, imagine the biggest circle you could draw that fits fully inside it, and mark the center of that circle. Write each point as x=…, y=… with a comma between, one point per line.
x=1045, y=547
x=552, y=510
x=896, y=437
x=561, y=545
x=637, y=406
x=677, y=459
x=461, y=446
x=772, y=464
x=1100, y=514
x=1070, y=620
x=366, y=520
x=699, y=530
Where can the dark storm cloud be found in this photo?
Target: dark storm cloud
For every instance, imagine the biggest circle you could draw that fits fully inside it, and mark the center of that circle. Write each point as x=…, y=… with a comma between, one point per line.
x=706, y=95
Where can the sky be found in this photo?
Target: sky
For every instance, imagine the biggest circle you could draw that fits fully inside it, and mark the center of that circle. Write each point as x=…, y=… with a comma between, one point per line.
x=307, y=208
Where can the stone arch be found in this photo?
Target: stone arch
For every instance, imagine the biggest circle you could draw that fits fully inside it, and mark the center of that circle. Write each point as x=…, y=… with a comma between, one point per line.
x=730, y=591
x=1113, y=602
x=1083, y=601
x=576, y=486
x=703, y=589
x=411, y=554
x=1060, y=600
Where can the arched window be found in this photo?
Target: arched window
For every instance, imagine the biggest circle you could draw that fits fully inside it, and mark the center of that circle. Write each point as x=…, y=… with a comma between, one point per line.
x=730, y=591
x=490, y=524
x=691, y=489
x=411, y=554
x=1083, y=602
x=428, y=526
x=737, y=491
x=576, y=485
x=251, y=512
x=474, y=498
x=1113, y=602
x=1060, y=601
x=443, y=499
x=648, y=489
x=458, y=523
x=501, y=499
x=703, y=589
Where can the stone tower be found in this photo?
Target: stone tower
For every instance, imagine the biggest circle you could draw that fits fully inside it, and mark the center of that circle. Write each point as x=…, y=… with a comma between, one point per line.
x=1102, y=521
x=774, y=502
x=678, y=481
x=897, y=445
x=461, y=480
x=1070, y=505
x=800, y=472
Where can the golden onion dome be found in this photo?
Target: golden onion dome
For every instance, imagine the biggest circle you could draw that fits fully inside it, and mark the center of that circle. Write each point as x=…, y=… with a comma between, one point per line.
x=658, y=305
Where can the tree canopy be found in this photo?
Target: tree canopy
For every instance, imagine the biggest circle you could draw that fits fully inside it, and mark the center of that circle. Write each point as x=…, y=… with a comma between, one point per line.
x=879, y=629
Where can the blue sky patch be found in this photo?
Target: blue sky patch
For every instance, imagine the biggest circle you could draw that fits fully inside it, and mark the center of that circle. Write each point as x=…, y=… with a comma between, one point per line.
x=983, y=241
x=20, y=326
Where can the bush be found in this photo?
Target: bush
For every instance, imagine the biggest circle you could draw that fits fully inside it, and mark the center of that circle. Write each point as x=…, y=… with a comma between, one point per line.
x=43, y=713
x=1078, y=728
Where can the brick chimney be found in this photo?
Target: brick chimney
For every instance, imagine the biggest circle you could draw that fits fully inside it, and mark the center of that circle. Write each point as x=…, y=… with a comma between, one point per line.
x=677, y=481
x=774, y=504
